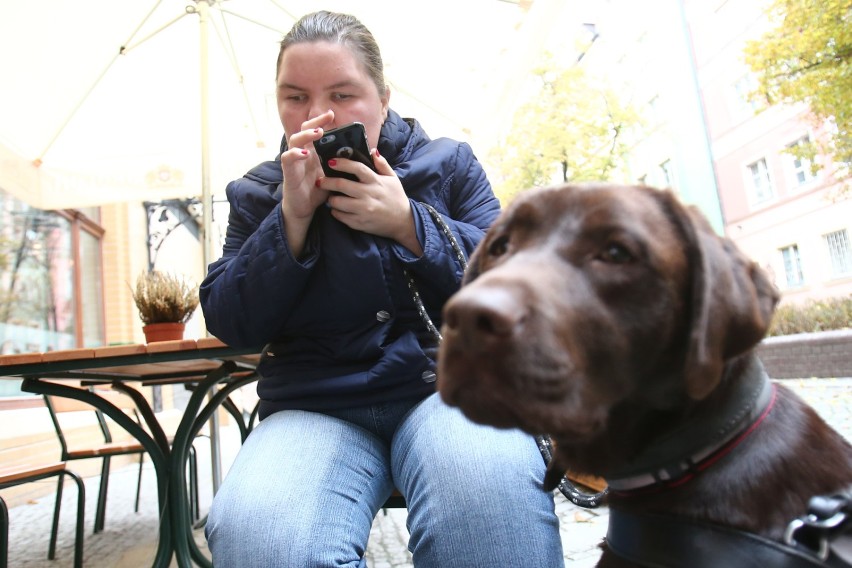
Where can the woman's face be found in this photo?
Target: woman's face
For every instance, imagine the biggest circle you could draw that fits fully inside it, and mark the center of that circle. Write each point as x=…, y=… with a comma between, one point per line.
x=318, y=76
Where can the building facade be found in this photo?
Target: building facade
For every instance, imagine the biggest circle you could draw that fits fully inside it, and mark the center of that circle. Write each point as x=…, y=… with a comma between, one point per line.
x=793, y=221
x=682, y=62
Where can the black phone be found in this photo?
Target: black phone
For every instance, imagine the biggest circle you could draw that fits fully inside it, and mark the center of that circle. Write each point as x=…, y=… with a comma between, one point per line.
x=350, y=142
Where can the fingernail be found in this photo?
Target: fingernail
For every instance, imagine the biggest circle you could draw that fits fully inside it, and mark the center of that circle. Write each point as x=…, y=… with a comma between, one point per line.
x=304, y=152
x=317, y=183
x=332, y=162
x=316, y=130
x=377, y=153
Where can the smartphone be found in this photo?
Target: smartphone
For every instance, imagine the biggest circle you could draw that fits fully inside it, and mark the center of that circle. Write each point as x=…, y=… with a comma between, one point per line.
x=348, y=142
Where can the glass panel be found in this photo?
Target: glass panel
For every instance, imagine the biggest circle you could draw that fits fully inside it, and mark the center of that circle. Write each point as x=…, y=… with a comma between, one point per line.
x=91, y=291
x=840, y=252
x=801, y=167
x=760, y=181
x=38, y=302
x=792, y=266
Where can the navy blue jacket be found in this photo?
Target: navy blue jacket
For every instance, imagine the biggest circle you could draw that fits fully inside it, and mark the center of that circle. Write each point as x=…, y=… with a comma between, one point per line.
x=339, y=323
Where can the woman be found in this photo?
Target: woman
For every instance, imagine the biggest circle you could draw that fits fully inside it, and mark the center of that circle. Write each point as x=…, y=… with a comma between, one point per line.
x=314, y=268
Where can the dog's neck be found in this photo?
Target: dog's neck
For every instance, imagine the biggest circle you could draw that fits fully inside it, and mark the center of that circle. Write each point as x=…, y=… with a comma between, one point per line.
x=697, y=443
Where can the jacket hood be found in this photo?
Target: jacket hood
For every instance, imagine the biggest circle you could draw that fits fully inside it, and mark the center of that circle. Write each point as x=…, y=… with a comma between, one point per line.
x=400, y=137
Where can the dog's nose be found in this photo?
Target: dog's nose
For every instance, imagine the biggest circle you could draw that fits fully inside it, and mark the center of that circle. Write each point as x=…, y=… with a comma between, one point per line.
x=485, y=312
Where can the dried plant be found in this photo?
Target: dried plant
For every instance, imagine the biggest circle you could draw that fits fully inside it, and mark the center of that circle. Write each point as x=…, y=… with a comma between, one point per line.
x=162, y=297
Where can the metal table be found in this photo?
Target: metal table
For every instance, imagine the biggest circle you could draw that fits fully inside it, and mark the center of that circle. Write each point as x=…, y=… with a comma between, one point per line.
x=207, y=365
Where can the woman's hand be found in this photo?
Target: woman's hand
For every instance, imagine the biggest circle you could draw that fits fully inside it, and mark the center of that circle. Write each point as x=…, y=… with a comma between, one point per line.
x=376, y=204
x=302, y=171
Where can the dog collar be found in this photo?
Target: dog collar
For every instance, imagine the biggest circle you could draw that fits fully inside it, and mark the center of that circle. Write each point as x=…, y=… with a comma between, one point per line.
x=748, y=406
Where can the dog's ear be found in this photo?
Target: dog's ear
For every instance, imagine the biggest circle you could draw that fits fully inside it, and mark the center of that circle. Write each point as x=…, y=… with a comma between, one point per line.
x=731, y=305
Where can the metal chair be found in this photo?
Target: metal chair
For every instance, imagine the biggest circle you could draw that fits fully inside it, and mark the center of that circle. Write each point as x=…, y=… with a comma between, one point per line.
x=395, y=501
x=18, y=475
x=109, y=448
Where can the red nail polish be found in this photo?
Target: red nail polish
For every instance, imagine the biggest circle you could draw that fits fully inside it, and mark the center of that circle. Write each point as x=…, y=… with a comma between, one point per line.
x=332, y=162
x=304, y=152
x=377, y=153
x=317, y=183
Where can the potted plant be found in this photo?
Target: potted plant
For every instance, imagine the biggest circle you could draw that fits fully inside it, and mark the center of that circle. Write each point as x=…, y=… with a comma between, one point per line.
x=165, y=303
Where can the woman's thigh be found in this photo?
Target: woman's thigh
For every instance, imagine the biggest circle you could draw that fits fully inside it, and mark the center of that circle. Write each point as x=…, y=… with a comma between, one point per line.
x=302, y=491
x=474, y=493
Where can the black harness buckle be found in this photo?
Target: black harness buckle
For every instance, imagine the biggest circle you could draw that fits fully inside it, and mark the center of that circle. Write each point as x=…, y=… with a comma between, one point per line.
x=828, y=518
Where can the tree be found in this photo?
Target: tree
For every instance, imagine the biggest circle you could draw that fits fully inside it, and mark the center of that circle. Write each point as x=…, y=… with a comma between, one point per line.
x=574, y=129
x=807, y=58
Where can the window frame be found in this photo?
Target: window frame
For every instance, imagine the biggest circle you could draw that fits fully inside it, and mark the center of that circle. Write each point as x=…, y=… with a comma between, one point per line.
x=792, y=262
x=760, y=195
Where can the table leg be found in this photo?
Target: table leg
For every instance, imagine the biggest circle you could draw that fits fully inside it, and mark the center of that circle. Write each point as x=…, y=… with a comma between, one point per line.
x=146, y=411
x=159, y=455
x=194, y=418
x=190, y=425
x=239, y=419
x=215, y=450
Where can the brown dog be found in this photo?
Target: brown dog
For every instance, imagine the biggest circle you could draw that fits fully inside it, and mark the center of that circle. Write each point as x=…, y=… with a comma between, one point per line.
x=614, y=319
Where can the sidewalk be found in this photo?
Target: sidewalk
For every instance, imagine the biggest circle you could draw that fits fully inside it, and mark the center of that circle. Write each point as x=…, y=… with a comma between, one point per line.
x=129, y=539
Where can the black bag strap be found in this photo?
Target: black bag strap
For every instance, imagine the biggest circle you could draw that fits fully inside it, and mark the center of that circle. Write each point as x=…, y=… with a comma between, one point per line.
x=544, y=443
x=412, y=286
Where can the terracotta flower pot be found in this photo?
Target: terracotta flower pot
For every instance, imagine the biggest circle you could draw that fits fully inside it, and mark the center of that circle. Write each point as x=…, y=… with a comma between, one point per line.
x=166, y=331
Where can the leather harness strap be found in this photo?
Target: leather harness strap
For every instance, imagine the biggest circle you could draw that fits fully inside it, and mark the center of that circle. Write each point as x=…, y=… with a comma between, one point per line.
x=659, y=541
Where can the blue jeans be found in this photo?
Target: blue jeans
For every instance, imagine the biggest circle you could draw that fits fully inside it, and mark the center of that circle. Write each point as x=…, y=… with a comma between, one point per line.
x=305, y=487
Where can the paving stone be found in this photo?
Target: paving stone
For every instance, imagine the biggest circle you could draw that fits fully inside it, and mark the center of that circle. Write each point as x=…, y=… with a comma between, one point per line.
x=129, y=539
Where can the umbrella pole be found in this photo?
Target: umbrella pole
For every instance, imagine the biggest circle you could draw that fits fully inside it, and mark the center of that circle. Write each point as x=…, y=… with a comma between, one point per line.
x=206, y=193
x=207, y=208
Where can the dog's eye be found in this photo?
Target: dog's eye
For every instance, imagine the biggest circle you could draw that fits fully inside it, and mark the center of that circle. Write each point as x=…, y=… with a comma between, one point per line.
x=499, y=246
x=616, y=253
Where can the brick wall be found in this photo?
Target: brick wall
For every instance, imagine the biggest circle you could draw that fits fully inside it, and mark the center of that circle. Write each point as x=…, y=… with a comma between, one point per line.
x=827, y=354
x=124, y=257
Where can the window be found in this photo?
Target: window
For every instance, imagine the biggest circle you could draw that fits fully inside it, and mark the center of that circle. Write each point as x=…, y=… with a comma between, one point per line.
x=761, y=185
x=800, y=166
x=840, y=253
x=792, y=266
x=743, y=104
x=50, y=281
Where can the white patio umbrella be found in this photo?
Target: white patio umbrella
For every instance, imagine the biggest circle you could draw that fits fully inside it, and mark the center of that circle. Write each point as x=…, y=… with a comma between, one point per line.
x=109, y=100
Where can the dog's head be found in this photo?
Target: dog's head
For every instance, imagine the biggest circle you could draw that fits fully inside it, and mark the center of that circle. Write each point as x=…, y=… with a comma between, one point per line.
x=582, y=297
